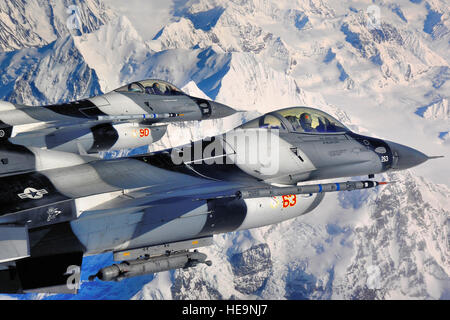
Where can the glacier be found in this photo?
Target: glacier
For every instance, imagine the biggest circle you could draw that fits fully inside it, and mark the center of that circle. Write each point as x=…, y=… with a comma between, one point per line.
x=390, y=81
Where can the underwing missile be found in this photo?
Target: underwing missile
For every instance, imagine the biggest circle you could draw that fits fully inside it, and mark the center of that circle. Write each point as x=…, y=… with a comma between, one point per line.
x=308, y=189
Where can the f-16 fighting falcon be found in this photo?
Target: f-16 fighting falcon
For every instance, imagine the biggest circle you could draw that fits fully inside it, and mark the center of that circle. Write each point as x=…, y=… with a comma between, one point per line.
x=131, y=116
x=154, y=211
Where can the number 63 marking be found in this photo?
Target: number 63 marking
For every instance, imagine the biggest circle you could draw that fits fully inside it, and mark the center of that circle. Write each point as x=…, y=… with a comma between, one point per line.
x=289, y=200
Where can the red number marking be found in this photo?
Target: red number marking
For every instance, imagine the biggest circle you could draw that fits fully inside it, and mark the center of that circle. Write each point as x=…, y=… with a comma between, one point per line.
x=289, y=200
x=294, y=200
x=144, y=132
x=285, y=201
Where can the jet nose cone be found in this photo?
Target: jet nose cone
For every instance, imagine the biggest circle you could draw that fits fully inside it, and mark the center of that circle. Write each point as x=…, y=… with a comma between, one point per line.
x=219, y=110
x=405, y=157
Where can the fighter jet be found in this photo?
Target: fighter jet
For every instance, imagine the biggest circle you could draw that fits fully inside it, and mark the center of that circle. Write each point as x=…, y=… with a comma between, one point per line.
x=131, y=116
x=154, y=211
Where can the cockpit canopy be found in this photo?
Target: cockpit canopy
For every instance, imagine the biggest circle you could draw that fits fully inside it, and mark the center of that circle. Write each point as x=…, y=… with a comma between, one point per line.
x=298, y=119
x=151, y=86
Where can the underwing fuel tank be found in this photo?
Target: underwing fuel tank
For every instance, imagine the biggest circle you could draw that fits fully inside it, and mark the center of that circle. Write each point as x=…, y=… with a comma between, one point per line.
x=101, y=137
x=138, y=267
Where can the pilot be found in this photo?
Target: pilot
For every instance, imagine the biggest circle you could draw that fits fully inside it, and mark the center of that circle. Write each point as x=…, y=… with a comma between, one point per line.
x=157, y=89
x=305, y=122
x=294, y=121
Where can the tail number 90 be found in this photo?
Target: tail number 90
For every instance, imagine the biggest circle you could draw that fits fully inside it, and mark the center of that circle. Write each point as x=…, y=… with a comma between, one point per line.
x=144, y=132
x=289, y=200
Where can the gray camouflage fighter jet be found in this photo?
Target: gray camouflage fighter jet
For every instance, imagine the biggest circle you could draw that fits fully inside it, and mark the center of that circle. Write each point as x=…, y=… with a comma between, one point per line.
x=128, y=117
x=152, y=210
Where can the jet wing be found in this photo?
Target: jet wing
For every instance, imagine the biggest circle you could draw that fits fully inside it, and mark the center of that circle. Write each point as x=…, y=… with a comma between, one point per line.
x=48, y=127
x=147, y=197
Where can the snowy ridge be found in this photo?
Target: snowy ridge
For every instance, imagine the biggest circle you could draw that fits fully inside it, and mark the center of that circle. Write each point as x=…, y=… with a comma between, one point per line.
x=436, y=110
x=29, y=71
x=412, y=256
x=39, y=22
x=114, y=51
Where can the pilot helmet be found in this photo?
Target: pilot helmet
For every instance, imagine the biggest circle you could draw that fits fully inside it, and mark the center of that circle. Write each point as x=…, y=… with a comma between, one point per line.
x=305, y=119
x=157, y=88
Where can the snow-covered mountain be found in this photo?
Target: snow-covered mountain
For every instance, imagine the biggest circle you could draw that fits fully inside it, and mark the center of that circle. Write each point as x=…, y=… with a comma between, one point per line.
x=381, y=67
x=31, y=23
x=36, y=76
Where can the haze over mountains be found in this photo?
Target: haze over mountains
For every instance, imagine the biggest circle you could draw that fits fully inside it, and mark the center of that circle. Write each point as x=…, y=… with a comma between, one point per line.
x=386, y=77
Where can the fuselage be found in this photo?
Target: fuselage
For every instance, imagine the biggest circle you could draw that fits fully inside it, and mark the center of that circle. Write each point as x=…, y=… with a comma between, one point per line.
x=123, y=118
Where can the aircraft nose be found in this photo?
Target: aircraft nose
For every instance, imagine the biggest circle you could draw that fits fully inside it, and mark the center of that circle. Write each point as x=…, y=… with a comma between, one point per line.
x=405, y=157
x=219, y=110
